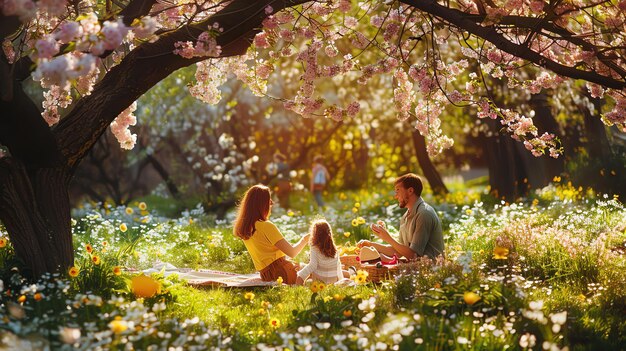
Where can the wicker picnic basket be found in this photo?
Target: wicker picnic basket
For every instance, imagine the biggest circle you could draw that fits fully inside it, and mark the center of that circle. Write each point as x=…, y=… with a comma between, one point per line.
x=376, y=274
x=349, y=260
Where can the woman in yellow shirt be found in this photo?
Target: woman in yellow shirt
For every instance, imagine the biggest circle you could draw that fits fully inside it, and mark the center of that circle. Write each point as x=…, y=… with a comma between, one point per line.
x=264, y=242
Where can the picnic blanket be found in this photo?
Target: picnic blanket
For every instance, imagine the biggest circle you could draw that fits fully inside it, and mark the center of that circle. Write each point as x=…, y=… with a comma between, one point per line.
x=207, y=277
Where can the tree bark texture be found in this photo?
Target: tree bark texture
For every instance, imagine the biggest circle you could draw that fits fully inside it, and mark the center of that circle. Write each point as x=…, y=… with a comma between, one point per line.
x=428, y=168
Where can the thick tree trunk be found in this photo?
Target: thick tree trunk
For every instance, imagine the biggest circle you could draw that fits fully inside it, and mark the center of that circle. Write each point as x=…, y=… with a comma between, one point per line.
x=428, y=168
x=35, y=211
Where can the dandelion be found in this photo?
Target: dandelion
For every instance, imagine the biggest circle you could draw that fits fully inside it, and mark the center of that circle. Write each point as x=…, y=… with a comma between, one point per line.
x=279, y=281
x=123, y=228
x=470, y=297
x=347, y=234
x=95, y=259
x=3, y=242
x=73, y=271
x=142, y=206
x=118, y=326
x=347, y=313
x=500, y=253
x=249, y=296
x=129, y=211
x=274, y=323
x=38, y=297
x=117, y=270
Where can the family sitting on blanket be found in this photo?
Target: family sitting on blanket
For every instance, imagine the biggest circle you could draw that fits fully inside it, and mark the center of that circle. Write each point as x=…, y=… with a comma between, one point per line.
x=420, y=235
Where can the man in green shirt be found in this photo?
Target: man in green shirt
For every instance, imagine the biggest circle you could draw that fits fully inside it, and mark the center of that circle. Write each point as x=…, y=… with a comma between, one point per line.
x=420, y=227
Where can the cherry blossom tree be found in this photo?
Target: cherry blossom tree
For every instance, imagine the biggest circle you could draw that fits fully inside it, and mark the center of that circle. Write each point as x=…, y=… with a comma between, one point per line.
x=96, y=58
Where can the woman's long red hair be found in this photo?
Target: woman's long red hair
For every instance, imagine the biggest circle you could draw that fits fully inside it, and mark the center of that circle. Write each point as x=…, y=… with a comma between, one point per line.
x=254, y=206
x=322, y=238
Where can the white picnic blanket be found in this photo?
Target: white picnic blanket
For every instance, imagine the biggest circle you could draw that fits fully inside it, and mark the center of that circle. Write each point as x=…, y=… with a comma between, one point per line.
x=207, y=277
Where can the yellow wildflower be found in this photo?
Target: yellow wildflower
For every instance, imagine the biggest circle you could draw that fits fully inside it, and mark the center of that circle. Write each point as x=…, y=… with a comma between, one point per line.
x=347, y=313
x=89, y=248
x=279, y=281
x=347, y=234
x=129, y=211
x=95, y=259
x=38, y=296
x=142, y=206
x=500, y=253
x=321, y=286
x=249, y=296
x=355, y=222
x=290, y=213
x=360, y=220
x=21, y=299
x=261, y=311
x=73, y=271
x=123, y=228
x=117, y=270
x=338, y=297
x=3, y=242
x=470, y=297
x=118, y=326
x=274, y=323
x=357, y=205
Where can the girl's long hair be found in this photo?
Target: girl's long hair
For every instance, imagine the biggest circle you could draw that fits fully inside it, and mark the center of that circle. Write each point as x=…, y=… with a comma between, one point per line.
x=254, y=206
x=322, y=238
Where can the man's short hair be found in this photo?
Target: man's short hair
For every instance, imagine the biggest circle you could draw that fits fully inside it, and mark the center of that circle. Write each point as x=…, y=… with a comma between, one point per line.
x=411, y=180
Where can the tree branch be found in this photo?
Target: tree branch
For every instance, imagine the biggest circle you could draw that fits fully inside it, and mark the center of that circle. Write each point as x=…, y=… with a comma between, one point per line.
x=463, y=21
x=148, y=64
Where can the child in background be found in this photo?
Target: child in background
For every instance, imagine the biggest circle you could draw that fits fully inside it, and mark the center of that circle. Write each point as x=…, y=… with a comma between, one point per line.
x=324, y=264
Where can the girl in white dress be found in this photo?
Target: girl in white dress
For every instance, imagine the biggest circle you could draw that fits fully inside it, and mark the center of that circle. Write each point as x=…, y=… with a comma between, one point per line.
x=324, y=264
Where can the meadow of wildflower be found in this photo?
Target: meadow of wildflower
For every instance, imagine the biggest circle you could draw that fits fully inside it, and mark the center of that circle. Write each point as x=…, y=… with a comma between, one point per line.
x=545, y=273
